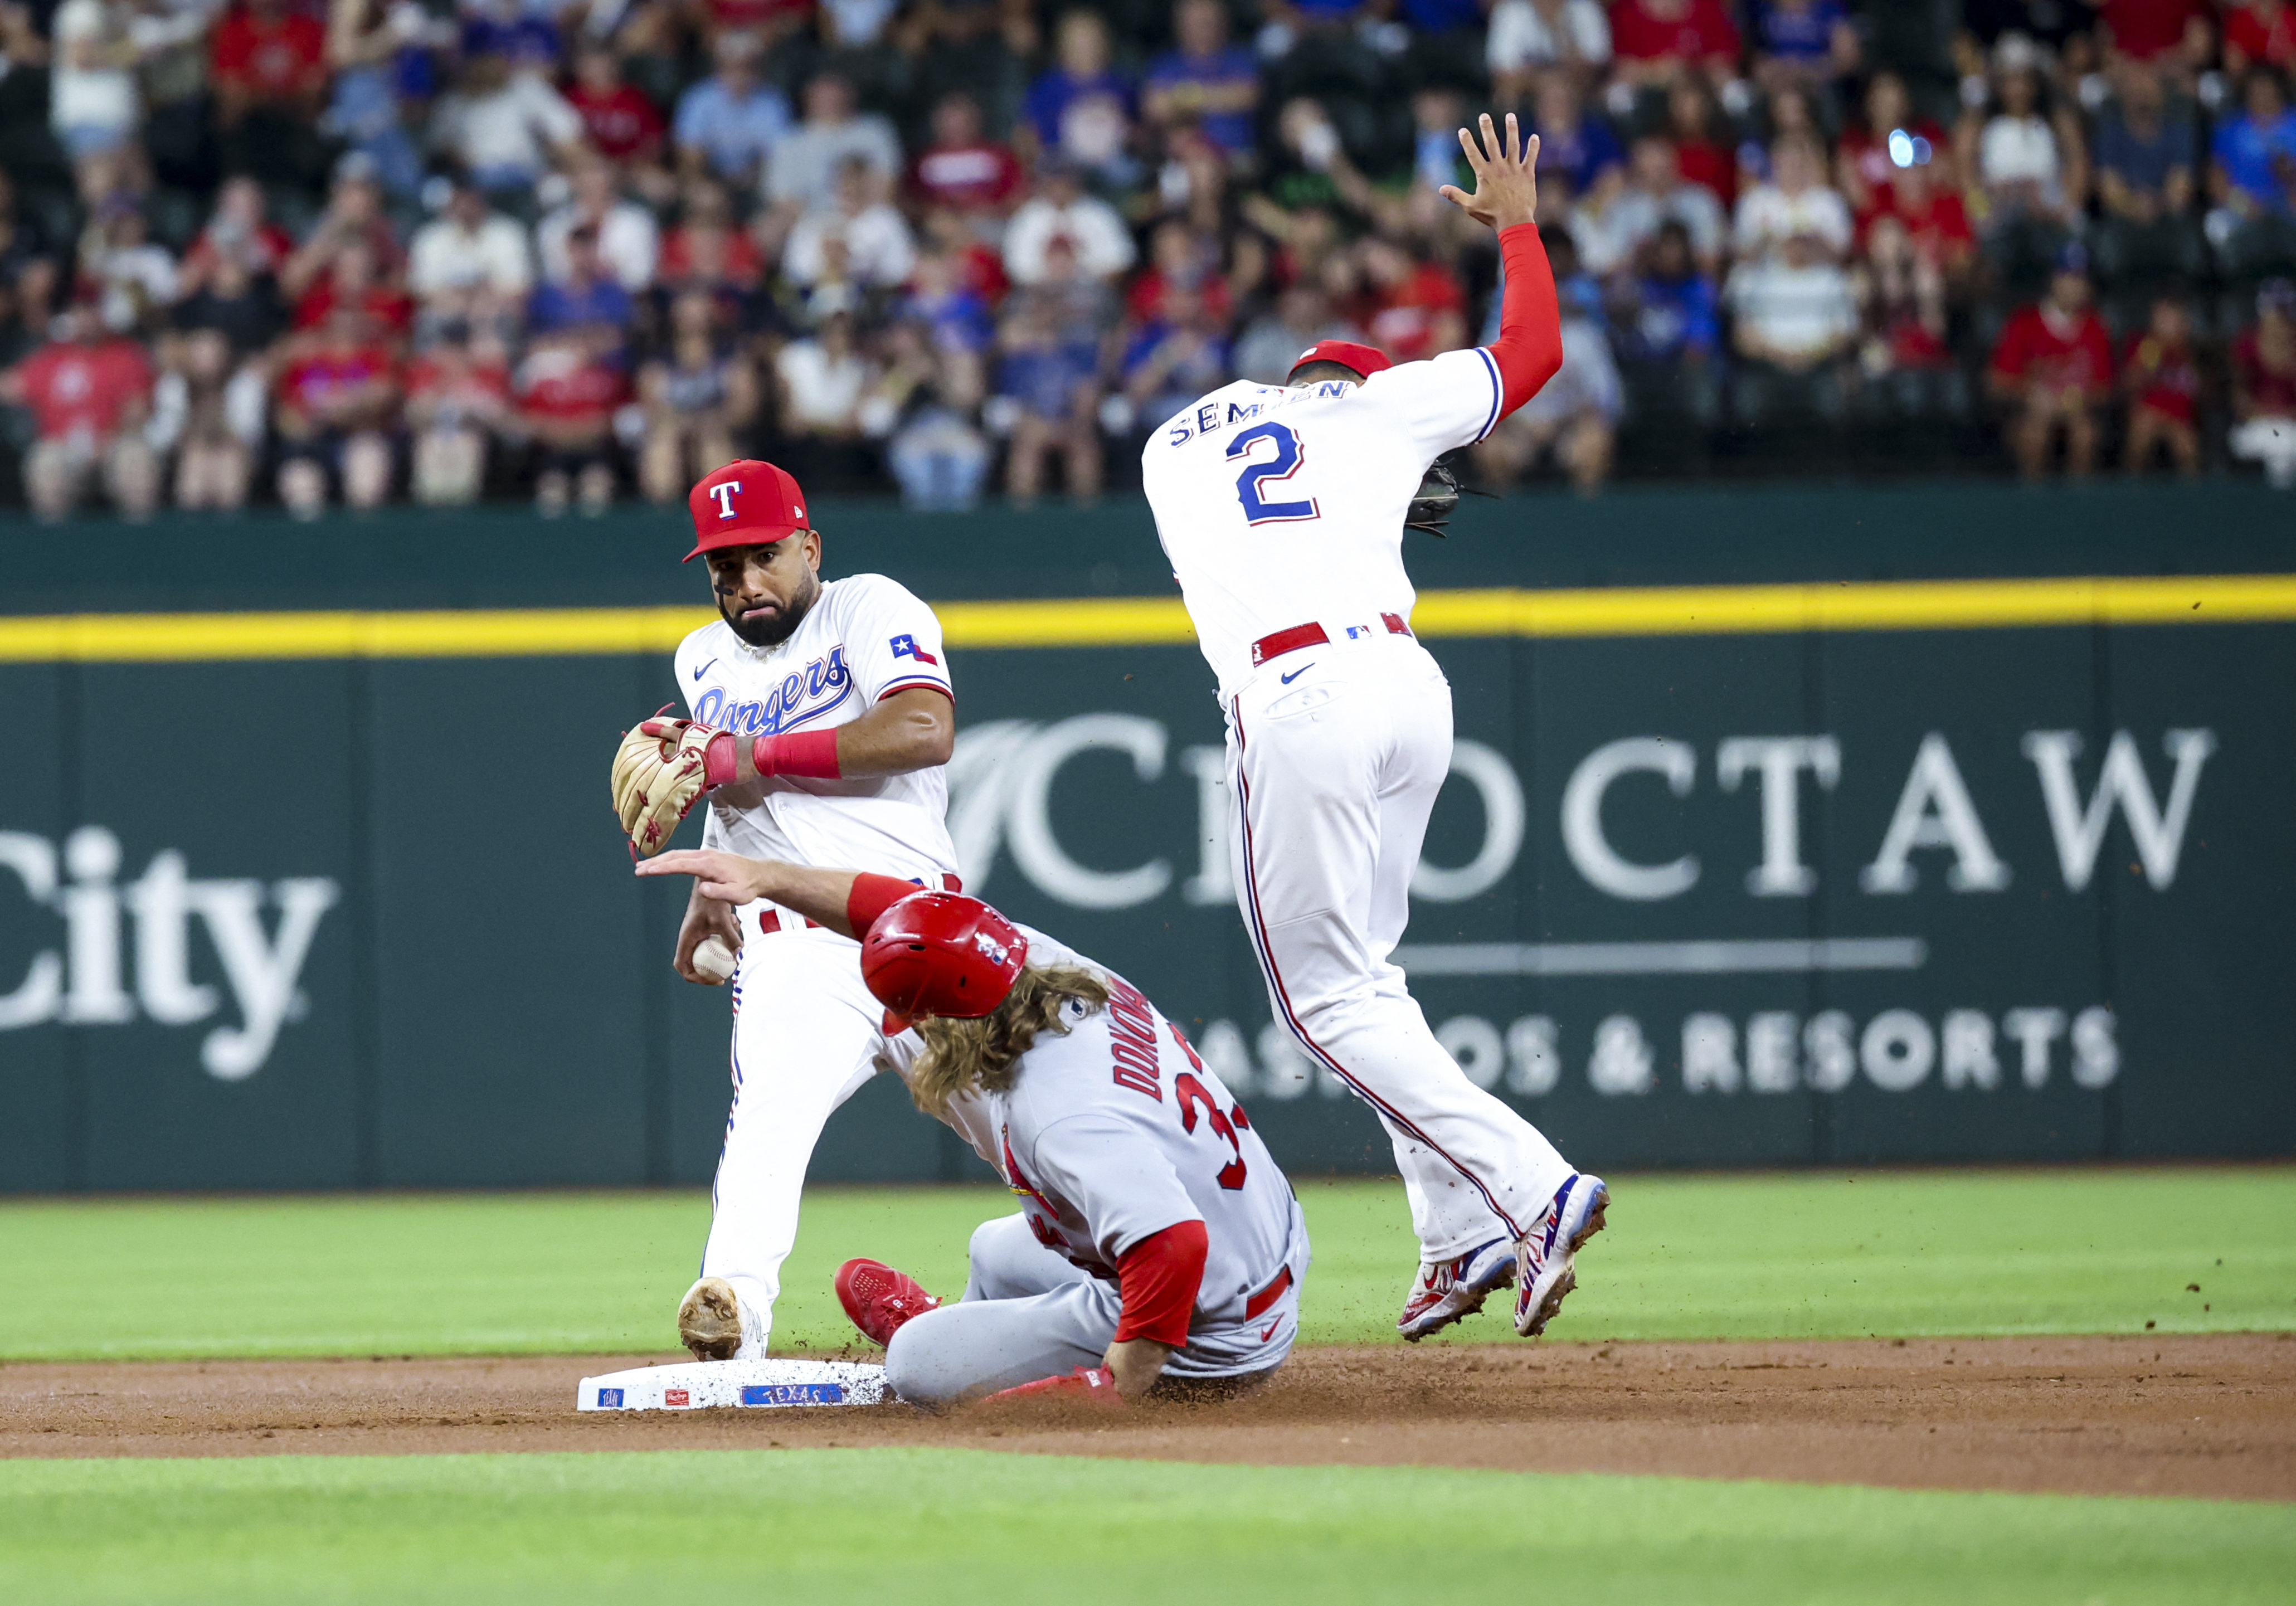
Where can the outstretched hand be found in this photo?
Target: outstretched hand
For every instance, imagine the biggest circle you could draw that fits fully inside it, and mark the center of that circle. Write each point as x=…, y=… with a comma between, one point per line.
x=1507, y=176
x=727, y=877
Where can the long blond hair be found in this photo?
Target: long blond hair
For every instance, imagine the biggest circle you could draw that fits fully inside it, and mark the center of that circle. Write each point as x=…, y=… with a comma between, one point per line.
x=984, y=1055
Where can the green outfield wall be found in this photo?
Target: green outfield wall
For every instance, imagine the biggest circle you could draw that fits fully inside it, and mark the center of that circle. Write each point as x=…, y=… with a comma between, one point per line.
x=1787, y=827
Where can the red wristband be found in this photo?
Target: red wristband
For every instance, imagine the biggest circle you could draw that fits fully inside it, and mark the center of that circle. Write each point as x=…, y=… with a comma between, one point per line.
x=718, y=761
x=812, y=754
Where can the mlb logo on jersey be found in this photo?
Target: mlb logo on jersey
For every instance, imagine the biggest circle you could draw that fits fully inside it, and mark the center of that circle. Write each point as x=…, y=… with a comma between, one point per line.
x=906, y=646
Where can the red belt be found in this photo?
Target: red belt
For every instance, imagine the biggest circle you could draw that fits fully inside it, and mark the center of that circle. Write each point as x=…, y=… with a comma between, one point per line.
x=1267, y=1295
x=1276, y=644
x=771, y=921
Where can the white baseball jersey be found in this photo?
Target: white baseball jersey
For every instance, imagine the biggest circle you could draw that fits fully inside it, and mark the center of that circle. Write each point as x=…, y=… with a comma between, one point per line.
x=1118, y=1130
x=864, y=639
x=1282, y=507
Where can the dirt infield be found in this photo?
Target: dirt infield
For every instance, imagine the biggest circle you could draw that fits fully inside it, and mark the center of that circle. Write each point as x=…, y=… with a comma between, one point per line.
x=2213, y=1416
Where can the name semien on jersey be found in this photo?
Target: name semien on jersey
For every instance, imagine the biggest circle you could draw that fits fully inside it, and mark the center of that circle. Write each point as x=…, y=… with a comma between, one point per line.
x=1213, y=415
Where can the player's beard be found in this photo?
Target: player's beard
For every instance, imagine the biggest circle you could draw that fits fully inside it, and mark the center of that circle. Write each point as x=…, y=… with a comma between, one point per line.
x=775, y=631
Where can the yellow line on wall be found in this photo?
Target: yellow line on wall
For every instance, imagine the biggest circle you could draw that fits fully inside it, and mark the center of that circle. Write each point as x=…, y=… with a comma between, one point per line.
x=1159, y=621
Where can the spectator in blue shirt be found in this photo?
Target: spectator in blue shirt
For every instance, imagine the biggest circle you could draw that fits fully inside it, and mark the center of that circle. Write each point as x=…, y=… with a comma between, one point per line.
x=2143, y=152
x=1048, y=390
x=1806, y=43
x=1205, y=79
x=1082, y=107
x=728, y=123
x=1576, y=146
x=589, y=302
x=1673, y=315
x=1180, y=355
x=2255, y=170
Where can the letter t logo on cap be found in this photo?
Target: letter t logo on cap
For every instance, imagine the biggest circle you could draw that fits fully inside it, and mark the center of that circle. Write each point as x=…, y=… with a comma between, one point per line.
x=724, y=495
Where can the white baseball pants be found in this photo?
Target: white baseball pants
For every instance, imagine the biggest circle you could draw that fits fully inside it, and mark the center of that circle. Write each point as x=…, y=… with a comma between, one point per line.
x=1335, y=756
x=806, y=1035
x=1029, y=1313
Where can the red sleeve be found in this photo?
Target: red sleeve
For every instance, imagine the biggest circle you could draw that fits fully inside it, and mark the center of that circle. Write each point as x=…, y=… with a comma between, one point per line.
x=2009, y=357
x=228, y=53
x=1719, y=32
x=871, y=896
x=1530, y=347
x=1159, y=1276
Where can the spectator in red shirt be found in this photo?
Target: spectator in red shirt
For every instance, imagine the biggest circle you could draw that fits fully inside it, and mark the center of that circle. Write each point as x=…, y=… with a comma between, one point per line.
x=89, y=394
x=240, y=230
x=2264, y=386
x=2163, y=386
x=457, y=396
x=1417, y=308
x=354, y=216
x=1703, y=158
x=1657, y=41
x=620, y=123
x=566, y=398
x=1933, y=217
x=264, y=53
x=2262, y=32
x=352, y=283
x=2149, y=31
x=2054, y=369
x=705, y=252
x=964, y=170
x=337, y=409
x=1891, y=139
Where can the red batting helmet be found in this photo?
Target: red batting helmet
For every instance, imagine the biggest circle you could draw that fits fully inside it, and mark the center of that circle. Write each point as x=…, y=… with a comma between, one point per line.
x=744, y=503
x=942, y=953
x=1366, y=360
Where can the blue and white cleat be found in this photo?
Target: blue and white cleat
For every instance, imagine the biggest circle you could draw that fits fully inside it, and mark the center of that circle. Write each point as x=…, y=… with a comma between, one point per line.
x=1543, y=1260
x=1449, y=1290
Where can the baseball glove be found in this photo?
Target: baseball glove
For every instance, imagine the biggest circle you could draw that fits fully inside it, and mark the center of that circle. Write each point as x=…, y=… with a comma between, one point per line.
x=1439, y=494
x=657, y=776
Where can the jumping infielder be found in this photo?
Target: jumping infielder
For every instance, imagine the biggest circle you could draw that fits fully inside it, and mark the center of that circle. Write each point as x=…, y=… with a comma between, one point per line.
x=1283, y=512
x=821, y=717
x=1157, y=1236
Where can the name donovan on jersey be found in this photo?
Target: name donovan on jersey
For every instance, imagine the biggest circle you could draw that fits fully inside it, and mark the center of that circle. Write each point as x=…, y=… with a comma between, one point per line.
x=820, y=686
x=1213, y=415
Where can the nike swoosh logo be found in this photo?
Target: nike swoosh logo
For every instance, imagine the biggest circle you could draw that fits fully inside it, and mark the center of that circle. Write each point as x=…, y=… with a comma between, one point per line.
x=1286, y=679
x=1268, y=1331
x=703, y=671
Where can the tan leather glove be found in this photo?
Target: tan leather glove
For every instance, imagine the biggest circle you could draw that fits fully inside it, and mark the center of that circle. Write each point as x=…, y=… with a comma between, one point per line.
x=659, y=774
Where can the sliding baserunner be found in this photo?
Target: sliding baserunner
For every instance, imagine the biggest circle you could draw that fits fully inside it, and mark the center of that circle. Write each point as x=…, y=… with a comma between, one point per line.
x=1283, y=511
x=1156, y=1241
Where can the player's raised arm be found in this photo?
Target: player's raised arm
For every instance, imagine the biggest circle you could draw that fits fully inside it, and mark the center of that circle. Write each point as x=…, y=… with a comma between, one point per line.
x=1528, y=352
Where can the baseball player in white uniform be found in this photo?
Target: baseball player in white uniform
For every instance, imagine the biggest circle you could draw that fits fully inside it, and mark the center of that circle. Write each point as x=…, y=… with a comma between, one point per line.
x=822, y=716
x=1157, y=1238
x=1283, y=510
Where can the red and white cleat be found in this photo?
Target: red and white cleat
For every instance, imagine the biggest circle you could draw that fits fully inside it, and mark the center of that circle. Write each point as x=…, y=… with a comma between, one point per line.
x=1544, y=1260
x=1448, y=1291
x=881, y=1299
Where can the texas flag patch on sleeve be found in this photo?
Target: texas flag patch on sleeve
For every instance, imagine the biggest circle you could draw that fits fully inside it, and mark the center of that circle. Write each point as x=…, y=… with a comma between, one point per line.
x=906, y=646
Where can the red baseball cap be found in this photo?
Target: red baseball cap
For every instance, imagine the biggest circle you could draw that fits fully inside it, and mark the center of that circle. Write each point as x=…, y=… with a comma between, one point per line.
x=744, y=503
x=1366, y=360
x=941, y=953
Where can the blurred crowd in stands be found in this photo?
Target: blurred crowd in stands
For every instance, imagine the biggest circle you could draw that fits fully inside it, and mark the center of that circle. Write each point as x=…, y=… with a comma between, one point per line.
x=573, y=250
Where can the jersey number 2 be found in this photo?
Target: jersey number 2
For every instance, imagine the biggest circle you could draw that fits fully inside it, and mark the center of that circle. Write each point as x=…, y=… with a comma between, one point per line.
x=1259, y=475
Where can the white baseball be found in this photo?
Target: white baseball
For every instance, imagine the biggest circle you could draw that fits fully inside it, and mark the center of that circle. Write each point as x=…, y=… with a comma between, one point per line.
x=714, y=959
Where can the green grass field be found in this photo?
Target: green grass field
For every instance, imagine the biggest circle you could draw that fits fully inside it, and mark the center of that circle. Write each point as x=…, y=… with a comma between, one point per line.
x=1830, y=1254
x=1688, y=1257
x=885, y=1527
